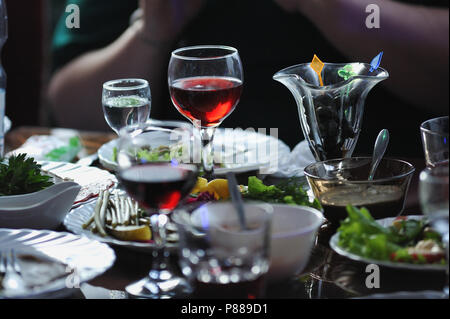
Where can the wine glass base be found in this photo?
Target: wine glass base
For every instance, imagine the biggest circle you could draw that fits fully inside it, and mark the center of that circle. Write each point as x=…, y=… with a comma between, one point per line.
x=173, y=287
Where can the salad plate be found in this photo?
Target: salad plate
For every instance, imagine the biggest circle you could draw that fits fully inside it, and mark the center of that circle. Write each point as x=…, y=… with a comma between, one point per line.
x=76, y=258
x=385, y=222
x=234, y=150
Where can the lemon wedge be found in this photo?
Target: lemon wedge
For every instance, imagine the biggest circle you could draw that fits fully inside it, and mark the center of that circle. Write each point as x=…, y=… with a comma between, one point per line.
x=130, y=233
x=218, y=187
x=200, y=186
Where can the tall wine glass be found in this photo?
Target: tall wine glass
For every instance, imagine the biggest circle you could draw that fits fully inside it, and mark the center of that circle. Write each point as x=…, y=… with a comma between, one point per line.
x=154, y=168
x=205, y=84
x=433, y=191
x=126, y=102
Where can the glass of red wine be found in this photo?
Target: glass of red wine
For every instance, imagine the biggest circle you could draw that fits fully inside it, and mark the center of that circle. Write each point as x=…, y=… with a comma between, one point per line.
x=154, y=161
x=205, y=84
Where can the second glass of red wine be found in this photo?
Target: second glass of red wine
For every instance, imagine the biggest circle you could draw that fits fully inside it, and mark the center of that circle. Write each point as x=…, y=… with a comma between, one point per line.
x=155, y=170
x=205, y=84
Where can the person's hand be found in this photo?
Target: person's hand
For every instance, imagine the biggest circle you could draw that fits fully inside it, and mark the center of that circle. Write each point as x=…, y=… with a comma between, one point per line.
x=163, y=20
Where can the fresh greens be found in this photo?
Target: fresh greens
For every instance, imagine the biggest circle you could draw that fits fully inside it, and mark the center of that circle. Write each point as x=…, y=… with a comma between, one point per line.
x=158, y=154
x=65, y=153
x=21, y=175
x=288, y=192
x=360, y=234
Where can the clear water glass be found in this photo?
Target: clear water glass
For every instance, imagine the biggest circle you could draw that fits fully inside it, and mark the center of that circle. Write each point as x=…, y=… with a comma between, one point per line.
x=218, y=256
x=434, y=194
x=126, y=102
x=434, y=133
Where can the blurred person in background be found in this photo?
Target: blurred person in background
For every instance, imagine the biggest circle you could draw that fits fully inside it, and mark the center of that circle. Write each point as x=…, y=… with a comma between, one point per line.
x=120, y=39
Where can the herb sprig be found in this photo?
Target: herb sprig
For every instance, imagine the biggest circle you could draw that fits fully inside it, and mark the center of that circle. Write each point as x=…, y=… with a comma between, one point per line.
x=21, y=175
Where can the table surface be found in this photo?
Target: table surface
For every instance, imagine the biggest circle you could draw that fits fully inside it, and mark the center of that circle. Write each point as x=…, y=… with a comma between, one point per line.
x=328, y=275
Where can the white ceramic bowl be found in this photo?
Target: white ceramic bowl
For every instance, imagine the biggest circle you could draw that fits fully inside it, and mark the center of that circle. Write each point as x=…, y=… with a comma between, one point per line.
x=294, y=230
x=44, y=209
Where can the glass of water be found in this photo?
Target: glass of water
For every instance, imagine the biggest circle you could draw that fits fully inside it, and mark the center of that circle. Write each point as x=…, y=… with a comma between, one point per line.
x=126, y=102
x=434, y=194
x=434, y=134
x=220, y=258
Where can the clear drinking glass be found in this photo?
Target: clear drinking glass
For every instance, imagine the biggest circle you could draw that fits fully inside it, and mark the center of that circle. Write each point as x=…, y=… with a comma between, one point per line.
x=154, y=169
x=433, y=191
x=205, y=84
x=218, y=256
x=434, y=134
x=126, y=102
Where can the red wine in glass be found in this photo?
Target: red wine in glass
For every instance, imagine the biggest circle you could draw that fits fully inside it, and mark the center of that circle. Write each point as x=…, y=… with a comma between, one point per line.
x=206, y=98
x=159, y=185
x=250, y=289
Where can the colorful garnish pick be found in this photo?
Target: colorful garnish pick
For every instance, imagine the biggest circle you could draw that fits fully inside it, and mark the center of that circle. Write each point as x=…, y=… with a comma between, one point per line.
x=317, y=66
x=376, y=62
x=346, y=72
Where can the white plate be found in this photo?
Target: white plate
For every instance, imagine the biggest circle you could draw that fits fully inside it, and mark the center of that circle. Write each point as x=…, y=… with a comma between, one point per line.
x=77, y=217
x=384, y=222
x=254, y=151
x=87, y=257
x=91, y=179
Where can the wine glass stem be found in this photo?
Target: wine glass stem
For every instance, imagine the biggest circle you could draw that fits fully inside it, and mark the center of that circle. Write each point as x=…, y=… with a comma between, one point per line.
x=207, y=136
x=160, y=255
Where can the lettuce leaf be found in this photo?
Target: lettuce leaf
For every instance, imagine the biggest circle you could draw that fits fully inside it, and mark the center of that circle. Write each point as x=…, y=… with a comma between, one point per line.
x=360, y=234
x=290, y=192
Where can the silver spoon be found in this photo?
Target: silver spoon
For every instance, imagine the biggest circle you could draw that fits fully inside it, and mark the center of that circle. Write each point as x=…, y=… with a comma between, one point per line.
x=237, y=199
x=381, y=144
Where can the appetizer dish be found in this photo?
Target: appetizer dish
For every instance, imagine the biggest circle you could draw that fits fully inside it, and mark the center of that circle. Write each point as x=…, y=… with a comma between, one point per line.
x=405, y=240
x=119, y=216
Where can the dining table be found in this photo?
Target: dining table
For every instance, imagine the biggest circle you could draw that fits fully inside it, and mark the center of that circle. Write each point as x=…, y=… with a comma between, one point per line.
x=328, y=275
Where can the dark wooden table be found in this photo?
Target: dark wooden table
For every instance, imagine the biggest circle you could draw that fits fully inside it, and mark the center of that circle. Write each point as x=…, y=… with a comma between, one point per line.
x=327, y=275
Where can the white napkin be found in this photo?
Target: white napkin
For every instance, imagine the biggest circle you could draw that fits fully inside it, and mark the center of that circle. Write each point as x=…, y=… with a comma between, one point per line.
x=294, y=164
x=37, y=146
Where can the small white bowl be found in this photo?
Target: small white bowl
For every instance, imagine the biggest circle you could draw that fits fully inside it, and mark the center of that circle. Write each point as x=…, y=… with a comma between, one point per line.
x=44, y=209
x=294, y=230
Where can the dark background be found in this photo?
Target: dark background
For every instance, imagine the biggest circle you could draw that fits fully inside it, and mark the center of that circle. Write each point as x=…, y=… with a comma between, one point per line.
x=27, y=62
x=26, y=58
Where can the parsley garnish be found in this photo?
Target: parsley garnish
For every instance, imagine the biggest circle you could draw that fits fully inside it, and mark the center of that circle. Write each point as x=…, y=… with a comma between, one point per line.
x=21, y=175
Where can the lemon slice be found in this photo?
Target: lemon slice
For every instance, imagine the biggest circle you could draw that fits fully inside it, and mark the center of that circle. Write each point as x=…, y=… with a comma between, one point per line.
x=219, y=187
x=130, y=233
x=200, y=186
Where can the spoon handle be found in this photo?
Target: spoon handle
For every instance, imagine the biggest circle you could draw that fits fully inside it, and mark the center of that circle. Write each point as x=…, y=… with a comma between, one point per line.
x=380, y=147
x=236, y=198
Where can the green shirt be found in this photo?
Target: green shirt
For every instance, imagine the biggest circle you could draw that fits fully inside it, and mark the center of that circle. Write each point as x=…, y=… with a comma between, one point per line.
x=101, y=22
